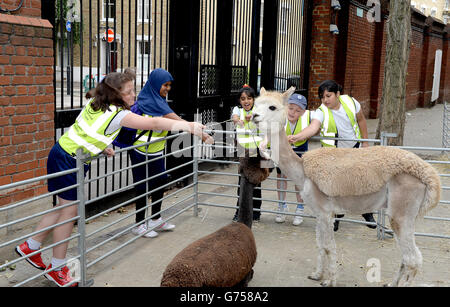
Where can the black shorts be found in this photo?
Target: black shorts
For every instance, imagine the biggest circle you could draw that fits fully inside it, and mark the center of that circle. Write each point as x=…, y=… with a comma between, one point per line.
x=59, y=160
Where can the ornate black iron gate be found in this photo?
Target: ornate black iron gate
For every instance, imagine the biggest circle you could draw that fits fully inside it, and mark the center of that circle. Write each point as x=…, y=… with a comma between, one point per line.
x=211, y=47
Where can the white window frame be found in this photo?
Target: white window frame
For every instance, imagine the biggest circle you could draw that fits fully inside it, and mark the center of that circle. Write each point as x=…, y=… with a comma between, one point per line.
x=147, y=13
x=110, y=19
x=423, y=9
x=433, y=10
x=143, y=57
x=284, y=18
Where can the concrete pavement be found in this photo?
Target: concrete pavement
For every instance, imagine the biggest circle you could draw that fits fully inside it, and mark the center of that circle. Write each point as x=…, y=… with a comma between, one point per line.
x=286, y=253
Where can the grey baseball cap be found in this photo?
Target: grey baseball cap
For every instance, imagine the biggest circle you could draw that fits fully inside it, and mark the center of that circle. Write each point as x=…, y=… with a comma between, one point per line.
x=299, y=100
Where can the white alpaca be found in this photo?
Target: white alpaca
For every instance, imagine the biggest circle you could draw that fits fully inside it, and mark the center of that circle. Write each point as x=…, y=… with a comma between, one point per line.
x=340, y=180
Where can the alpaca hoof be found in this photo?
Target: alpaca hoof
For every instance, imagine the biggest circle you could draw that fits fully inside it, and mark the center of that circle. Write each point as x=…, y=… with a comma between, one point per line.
x=328, y=283
x=315, y=276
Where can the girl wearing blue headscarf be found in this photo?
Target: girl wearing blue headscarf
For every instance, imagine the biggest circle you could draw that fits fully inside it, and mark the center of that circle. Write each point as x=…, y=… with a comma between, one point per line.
x=151, y=102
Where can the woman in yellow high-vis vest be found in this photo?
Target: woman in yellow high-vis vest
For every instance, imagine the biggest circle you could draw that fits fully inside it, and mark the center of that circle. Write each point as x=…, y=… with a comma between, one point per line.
x=99, y=122
x=339, y=116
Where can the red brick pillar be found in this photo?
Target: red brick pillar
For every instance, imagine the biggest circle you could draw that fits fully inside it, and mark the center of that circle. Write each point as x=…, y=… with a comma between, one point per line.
x=26, y=102
x=322, y=50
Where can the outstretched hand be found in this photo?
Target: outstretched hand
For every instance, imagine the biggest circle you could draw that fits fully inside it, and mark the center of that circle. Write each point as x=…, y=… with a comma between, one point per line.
x=109, y=152
x=293, y=139
x=207, y=139
x=196, y=128
x=263, y=148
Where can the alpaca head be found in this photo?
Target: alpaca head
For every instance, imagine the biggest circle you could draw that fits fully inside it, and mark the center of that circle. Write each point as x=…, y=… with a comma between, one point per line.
x=270, y=110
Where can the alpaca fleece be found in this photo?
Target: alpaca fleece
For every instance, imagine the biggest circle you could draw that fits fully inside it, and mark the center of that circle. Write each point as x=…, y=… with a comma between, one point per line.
x=348, y=171
x=221, y=259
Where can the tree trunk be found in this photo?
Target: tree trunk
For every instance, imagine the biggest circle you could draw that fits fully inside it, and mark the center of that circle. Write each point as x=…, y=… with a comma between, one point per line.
x=393, y=101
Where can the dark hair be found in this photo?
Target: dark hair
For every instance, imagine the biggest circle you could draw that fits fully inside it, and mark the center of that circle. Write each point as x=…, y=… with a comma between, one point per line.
x=249, y=91
x=107, y=92
x=330, y=86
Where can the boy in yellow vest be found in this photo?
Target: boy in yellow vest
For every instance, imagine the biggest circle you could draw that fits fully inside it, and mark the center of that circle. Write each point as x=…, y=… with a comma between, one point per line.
x=338, y=116
x=298, y=118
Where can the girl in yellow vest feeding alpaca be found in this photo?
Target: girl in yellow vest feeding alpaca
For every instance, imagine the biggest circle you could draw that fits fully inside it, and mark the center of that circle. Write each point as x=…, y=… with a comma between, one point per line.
x=100, y=121
x=249, y=143
x=298, y=118
x=339, y=116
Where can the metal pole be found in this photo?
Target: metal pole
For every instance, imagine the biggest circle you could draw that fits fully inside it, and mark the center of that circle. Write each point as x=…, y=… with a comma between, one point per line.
x=445, y=127
x=81, y=220
x=195, y=165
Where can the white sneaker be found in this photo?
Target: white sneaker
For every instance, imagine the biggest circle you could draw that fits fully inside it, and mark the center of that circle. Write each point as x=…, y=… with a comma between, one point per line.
x=298, y=219
x=280, y=218
x=163, y=227
x=141, y=229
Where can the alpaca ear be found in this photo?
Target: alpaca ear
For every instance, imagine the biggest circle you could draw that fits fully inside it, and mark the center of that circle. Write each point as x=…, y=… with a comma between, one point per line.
x=288, y=93
x=262, y=91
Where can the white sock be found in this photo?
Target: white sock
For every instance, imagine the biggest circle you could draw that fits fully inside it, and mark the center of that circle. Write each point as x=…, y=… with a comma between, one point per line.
x=33, y=244
x=57, y=262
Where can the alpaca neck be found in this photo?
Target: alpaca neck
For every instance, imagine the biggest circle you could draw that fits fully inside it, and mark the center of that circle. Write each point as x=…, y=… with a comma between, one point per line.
x=285, y=158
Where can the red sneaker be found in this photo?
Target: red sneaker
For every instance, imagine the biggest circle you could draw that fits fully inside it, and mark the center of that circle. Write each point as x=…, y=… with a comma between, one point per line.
x=61, y=277
x=35, y=260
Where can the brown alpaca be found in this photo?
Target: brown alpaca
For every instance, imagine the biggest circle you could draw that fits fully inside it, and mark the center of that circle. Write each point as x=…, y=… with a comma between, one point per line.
x=226, y=257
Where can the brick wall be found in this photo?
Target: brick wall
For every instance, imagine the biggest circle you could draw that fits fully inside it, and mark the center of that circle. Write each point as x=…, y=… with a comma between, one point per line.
x=323, y=44
x=366, y=44
x=355, y=58
x=29, y=8
x=26, y=101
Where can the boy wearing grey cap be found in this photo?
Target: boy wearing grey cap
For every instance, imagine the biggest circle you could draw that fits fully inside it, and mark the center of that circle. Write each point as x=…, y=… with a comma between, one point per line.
x=298, y=118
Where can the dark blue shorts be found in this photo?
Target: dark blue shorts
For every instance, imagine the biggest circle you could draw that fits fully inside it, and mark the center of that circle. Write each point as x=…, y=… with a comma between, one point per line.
x=59, y=160
x=153, y=168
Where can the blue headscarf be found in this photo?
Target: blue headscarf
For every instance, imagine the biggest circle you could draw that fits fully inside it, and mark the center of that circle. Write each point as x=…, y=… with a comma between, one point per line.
x=149, y=100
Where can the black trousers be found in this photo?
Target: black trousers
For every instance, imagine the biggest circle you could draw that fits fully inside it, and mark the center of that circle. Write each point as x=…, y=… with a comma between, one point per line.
x=140, y=173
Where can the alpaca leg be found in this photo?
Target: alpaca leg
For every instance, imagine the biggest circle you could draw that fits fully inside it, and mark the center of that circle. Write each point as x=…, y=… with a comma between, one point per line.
x=330, y=251
x=406, y=195
x=326, y=262
x=411, y=256
x=318, y=273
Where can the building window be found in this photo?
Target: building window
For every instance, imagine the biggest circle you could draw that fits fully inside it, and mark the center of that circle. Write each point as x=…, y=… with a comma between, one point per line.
x=433, y=12
x=143, y=4
x=423, y=9
x=143, y=53
x=284, y=14
x=109, y=9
